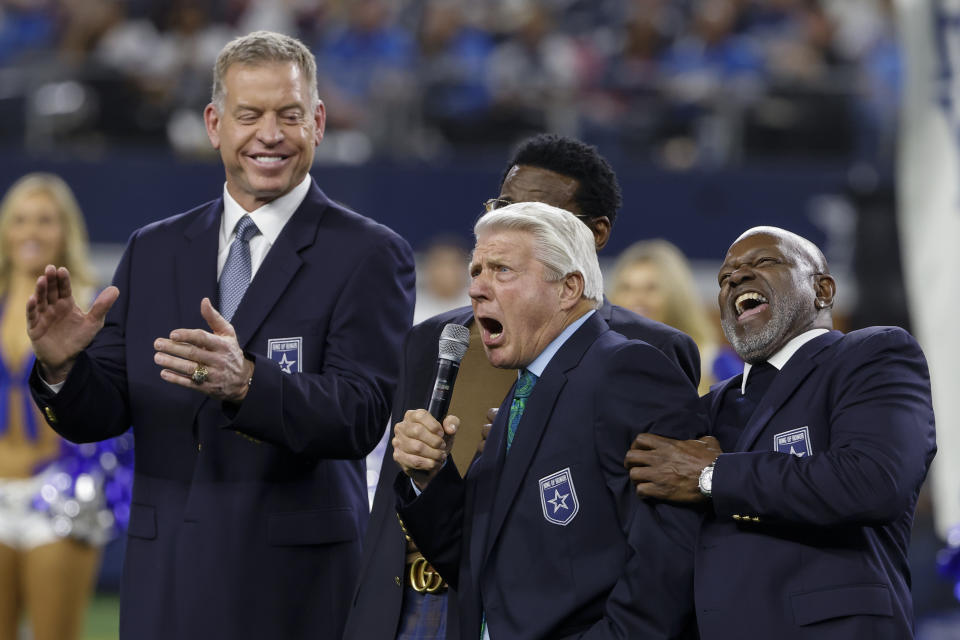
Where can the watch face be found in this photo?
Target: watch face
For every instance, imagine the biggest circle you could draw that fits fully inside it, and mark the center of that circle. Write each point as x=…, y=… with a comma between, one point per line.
x=706, y=481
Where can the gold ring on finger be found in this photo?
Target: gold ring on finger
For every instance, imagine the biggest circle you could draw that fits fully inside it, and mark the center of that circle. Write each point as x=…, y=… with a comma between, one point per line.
x=199, y=374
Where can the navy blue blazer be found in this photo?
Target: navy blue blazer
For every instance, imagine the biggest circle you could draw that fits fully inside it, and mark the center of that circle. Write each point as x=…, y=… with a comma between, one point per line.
x=378, y=598
x=246, y=521
x=551, y=540
x=815, y=545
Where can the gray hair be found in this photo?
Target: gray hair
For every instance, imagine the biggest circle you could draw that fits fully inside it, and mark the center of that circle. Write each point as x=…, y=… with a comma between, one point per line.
x=562, y=243
x=258, y=48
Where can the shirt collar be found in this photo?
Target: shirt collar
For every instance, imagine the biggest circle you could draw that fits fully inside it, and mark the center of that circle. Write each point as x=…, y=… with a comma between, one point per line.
x=541, y=361
x=780, y=358
x=269, y=218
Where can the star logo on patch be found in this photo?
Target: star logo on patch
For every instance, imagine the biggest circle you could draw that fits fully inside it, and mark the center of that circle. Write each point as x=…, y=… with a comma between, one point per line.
x=286, y=364
x=558, y=501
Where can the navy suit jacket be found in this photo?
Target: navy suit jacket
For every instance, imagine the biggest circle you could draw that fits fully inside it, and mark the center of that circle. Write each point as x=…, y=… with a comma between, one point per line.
x=816, y=546
x=246, y=520
x=613, y=566
x=378, y=599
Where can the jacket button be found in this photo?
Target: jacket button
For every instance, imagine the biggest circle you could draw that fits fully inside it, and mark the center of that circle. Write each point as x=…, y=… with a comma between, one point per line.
x=397, y=580
x=51, y=416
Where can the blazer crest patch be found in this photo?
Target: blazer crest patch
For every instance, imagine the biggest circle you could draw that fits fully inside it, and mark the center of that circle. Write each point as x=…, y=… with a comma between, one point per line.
x=558, y=497
x=286, y=352
x=795, y=442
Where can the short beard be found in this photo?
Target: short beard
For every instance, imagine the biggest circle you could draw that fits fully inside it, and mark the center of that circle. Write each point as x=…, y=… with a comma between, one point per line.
x=758, y=346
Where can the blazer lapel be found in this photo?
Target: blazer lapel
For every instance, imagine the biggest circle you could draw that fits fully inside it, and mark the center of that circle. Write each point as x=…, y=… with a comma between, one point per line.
x=717, y=392
x=195, y=266
x=534, y=422
x=279, y=267
x=195, y=269
x=784, y=385
x=483, y=476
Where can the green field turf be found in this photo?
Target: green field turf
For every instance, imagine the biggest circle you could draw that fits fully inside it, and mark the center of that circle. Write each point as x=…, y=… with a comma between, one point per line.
x=102, y=618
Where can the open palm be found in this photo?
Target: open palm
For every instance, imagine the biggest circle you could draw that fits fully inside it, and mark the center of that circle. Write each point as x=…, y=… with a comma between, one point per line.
x=59, y=329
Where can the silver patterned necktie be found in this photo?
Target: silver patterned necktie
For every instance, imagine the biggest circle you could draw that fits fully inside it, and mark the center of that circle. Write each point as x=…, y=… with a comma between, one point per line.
x=235, y=277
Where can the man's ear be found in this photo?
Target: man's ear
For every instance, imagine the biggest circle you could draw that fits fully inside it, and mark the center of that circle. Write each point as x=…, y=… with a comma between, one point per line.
x=601, y=231
x=826, y=288
x=320, y=121
x=571, y=290
x=211, y=120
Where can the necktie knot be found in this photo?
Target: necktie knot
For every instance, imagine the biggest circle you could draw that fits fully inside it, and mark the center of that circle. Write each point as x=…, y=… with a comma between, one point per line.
x=525, y=384
x=246, y=229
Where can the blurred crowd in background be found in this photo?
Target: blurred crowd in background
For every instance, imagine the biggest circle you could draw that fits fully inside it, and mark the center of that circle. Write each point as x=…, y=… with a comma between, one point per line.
x=677, y=83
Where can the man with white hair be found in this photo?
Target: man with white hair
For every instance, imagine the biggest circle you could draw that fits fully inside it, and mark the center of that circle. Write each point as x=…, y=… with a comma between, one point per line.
x=543, y=538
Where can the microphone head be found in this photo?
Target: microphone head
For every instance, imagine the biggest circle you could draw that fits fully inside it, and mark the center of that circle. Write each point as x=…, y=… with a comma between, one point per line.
x=454, y=341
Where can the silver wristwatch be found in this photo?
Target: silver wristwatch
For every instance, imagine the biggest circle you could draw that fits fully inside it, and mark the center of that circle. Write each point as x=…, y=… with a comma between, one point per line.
x=706, y=480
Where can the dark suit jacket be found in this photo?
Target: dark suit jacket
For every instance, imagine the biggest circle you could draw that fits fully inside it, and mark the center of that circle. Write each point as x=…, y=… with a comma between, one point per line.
x=614, y=566
x=816, y=546
x=246, y=521
x=377, y=602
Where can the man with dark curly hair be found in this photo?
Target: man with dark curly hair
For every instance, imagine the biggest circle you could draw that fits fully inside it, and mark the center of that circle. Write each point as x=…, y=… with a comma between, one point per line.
x=568, y=174
x=398, y=594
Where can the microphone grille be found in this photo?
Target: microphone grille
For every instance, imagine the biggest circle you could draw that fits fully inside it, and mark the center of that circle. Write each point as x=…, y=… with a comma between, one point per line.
x=454, y=341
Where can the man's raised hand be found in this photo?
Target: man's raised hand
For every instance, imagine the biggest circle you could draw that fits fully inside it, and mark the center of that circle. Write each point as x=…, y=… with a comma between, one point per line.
x=58, y=328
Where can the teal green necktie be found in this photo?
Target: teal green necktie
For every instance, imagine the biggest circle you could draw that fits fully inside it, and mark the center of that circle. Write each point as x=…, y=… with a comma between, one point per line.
x=520, y=394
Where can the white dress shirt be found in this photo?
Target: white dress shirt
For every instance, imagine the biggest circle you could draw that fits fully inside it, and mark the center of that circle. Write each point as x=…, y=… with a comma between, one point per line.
x=780, y=358
x=270, y=220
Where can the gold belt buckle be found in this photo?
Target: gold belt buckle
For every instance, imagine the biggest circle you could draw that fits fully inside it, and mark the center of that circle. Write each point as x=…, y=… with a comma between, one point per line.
x=424, y=578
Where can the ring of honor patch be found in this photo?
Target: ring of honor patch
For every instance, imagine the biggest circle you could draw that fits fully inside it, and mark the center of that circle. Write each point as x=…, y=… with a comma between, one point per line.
x=795, y=442
x=286, y=352
x=559, y=497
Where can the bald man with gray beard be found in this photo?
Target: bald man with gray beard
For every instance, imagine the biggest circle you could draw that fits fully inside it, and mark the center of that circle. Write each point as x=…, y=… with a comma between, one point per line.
x=817, y=455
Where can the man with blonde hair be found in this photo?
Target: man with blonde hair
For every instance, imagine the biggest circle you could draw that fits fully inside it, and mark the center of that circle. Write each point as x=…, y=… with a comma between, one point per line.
x=542, y=538
x=252, y=343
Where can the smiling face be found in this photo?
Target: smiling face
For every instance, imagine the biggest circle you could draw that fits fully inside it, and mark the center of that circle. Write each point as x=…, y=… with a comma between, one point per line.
x=266, y=132
x=770, y=292
x=519, y=312
x=34, y=235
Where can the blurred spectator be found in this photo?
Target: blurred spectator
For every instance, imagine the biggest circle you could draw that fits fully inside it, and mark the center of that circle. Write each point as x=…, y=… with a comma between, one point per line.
x=26, y=26
x=880, y=78
x=170, y=69
x=807, y=102
x=630, y=107
x=366, y=67
x=653, y=278
x=532, y=73
x=442, y=278
x=452, y=65
x=710, y=73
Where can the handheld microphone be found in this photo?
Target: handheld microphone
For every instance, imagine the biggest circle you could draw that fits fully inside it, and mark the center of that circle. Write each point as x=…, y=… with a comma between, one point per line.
x=454, y=341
